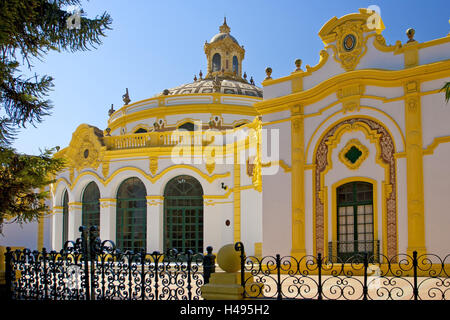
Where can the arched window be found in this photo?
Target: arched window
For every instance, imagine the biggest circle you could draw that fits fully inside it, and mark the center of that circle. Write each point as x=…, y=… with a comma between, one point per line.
x=216, y=62
x=235, y=65
x=91, y=206
x=183, y=214
x=355, y=219
x=65, y=227
x=141, y=130
x=131, y=217
x=188, y=126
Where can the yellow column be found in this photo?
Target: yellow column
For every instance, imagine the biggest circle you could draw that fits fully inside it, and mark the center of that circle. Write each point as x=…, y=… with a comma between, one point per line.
x=414, y=167
x=40, y=238
x=298, y=182
x=237, y=195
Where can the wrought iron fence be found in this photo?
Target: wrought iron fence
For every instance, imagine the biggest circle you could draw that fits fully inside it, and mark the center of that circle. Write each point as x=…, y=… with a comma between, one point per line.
x=361, y=277
x=91, y=269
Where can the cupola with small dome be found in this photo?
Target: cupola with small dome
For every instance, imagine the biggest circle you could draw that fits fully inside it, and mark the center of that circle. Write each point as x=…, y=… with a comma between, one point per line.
x=224, y=69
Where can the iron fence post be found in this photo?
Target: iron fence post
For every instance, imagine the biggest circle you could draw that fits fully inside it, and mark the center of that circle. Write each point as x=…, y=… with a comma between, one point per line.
x=239, y=246
x=94, y=243
x=319, y=266
x=130, y=279
x=365, y=288
x=44, y=257
x=209, y=264
x=85, y=255
x=278, y=261
x=155, y=256
x=8, y=274
x=189, y=287
x=142, y=274
x=415, y=289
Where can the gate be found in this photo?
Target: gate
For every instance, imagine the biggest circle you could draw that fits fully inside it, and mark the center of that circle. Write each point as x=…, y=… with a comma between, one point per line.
x=91, y=269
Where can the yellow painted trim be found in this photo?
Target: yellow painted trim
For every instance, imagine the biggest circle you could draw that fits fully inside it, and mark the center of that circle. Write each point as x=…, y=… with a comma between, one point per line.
x=152, y=179
x=400, y=155
x=414, y=168
x=297, y=76
x=356, y=115
x=161, y=111
x=237, y=199
x=141, y=126
x=40, y=237
x=280, y=163
x=372, y=77
x=436, y=142
x=298, y=249
x=334, y=205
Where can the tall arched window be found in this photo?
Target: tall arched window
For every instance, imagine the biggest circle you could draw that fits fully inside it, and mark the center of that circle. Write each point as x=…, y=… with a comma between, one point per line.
x=65, y=226
x=183, y=214
x=235, y=65
x=131, y=217
x=355, y=219
x=91, y=206
x=216, y=62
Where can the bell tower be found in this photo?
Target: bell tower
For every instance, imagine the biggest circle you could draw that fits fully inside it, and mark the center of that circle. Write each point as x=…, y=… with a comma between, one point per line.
x=224, y=55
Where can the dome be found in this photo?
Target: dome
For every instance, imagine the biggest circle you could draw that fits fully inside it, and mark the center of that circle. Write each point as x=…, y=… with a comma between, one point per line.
x=227, y=86
x=221, y=36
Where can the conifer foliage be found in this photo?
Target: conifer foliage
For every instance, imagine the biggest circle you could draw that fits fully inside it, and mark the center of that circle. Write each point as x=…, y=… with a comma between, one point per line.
x=30, y=29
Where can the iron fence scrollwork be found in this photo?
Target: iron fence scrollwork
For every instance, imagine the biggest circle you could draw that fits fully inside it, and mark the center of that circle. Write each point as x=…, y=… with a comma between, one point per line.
x=91, y=269
x=361, y=277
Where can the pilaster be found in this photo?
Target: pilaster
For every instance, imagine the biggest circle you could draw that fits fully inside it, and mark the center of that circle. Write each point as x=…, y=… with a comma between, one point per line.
x=75, y=210
x=108, y=219
x=414, y=168
x=155, y=223
x=298, y=182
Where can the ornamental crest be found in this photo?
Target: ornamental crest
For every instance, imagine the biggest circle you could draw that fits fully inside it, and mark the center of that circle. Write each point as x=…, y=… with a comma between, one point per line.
x=85, y=149
x=350, y=45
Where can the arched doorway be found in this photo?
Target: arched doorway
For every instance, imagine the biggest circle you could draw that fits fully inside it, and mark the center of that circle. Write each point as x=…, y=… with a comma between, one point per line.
x=131, y=217
x=183, y=214
x=355, y=219
x=91, y=206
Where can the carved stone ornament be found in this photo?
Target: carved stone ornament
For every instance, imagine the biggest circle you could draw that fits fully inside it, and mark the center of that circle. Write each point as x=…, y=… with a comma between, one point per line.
x=85, y=148
x=350, y=45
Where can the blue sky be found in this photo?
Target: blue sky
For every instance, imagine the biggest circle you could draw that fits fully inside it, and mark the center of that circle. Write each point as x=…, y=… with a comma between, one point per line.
x=156, y=45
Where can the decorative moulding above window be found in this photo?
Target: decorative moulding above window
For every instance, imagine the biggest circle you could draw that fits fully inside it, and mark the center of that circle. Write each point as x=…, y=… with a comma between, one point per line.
x=353, y=154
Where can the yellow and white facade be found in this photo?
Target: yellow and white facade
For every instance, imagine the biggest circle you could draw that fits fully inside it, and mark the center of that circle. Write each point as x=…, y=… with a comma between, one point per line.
x=368, y=115
x=145, y=140
x=385, y=101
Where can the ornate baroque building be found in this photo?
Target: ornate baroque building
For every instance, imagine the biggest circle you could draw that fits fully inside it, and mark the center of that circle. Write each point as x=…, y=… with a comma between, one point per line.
x=358, y=145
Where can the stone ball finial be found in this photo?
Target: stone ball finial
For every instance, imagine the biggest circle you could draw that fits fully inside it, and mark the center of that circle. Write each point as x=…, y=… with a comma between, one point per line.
x=410, y=33
x=298, y=64
x=268, y=72
x=229, y=259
